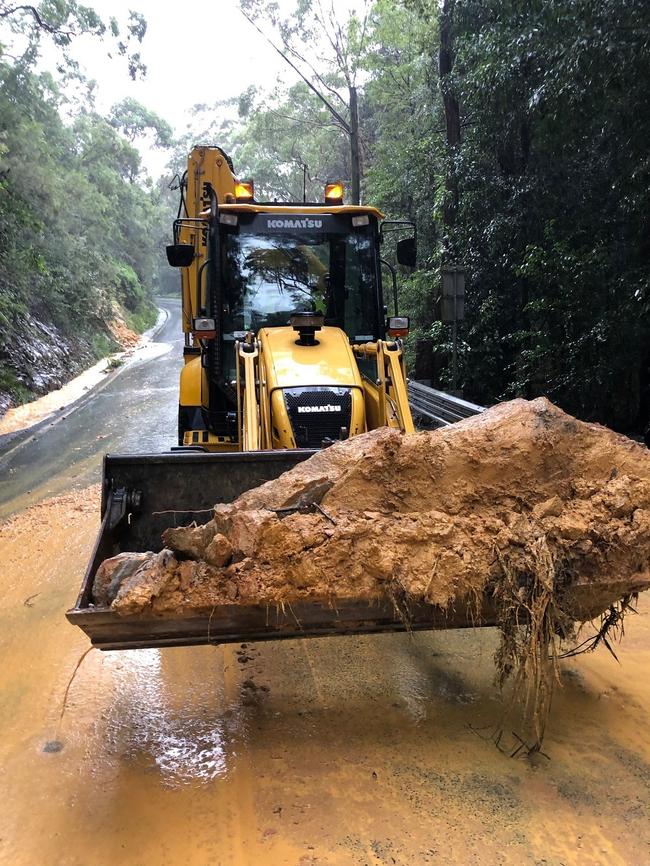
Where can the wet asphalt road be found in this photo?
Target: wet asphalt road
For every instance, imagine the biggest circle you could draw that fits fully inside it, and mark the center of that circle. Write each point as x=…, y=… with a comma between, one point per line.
x=135, y=411
x=340, y=751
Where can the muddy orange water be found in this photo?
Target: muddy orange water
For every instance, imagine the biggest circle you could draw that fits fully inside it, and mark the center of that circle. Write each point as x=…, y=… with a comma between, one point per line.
x=331, y=751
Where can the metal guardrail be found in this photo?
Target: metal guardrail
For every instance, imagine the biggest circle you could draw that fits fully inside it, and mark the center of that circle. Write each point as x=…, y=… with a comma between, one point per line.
x=436, y=406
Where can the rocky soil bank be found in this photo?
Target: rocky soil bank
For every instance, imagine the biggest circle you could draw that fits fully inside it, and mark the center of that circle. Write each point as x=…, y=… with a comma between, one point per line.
x=43, y=358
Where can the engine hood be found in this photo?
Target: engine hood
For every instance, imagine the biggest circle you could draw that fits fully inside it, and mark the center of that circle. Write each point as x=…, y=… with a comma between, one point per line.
x=288, y=365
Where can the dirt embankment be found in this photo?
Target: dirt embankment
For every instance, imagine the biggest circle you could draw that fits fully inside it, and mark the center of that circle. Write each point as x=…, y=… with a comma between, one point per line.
x=124, y=336
x=43, y=359
x=523, y=497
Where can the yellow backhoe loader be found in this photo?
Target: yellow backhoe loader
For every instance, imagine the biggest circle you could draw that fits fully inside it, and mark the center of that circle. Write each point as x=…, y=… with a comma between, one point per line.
x=284, y=317
x=288, y=347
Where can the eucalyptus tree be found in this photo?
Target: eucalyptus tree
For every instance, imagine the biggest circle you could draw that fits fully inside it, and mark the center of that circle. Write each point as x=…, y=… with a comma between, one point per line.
x=324, y=46
x=61, y=21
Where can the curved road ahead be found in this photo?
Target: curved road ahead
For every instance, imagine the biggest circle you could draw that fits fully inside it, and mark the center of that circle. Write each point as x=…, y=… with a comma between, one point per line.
x=134, y=411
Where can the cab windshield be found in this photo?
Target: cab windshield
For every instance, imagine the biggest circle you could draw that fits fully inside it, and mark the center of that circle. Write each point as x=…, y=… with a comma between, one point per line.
x=274, y=265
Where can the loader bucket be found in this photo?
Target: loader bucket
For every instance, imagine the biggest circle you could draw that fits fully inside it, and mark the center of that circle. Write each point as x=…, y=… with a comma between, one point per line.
x=144, y=494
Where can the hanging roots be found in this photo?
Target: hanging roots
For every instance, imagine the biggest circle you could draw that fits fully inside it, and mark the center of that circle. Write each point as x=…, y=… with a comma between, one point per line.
x=612, y=628
x=64, y=702
x=400, y=597
x=534, y=627
x=531, y=621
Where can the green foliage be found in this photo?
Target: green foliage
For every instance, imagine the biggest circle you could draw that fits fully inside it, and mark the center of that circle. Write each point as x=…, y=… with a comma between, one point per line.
x=553, y=219
x=552, y=175
x=101, y=345
x=271, y=138
x=134, y=120
x=130, y=292
x=62, y=21
x=78, y=232
x=551, y=172
x=400, y=114
x=142, y=320
x=10, y=384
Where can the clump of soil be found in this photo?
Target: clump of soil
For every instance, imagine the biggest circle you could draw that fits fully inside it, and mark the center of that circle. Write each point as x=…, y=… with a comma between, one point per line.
x=546, y=515
x=126, y=337
x=441, y=514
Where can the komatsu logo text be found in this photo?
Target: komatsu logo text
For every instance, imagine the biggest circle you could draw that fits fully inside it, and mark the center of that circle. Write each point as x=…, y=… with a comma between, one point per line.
x=302, y=223
x=329, y=407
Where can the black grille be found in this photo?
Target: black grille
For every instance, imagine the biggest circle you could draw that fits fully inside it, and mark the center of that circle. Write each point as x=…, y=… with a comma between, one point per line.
x=331, y=409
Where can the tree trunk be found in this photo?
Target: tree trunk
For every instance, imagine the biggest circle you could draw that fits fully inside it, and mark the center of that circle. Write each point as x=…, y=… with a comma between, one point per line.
x=451, y=107
x=452, y=124
x=355, y=159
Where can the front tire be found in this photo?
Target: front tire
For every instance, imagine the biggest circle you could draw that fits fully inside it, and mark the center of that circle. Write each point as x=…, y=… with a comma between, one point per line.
x=189, y=418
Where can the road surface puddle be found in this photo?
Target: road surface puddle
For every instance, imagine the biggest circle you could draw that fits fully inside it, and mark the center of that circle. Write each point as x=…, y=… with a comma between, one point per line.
x=185, y=742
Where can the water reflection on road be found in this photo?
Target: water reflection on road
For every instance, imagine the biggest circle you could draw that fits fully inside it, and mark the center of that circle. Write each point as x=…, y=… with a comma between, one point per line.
x=184, y=742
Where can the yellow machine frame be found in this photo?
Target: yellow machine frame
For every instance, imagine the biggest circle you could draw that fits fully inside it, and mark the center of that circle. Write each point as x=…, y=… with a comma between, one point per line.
x=265, y=361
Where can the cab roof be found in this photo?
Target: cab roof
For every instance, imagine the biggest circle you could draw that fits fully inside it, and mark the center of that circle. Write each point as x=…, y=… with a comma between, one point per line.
x=301, y=208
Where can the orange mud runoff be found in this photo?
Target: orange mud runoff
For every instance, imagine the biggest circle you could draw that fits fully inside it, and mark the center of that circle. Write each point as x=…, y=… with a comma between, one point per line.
x=337, y=751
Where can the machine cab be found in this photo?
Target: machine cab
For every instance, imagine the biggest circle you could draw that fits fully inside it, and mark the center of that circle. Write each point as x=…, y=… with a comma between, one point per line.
x=277, y=263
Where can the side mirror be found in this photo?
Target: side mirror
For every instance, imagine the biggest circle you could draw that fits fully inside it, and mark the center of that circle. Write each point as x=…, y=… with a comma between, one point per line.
x=180, y=255
x=407, y=252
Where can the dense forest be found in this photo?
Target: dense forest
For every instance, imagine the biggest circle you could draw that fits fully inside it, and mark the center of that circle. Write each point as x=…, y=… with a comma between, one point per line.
x=515, y=134
x=78, y=224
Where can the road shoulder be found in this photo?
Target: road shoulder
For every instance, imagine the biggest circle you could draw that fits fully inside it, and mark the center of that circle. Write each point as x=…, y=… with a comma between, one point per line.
x=21, y=422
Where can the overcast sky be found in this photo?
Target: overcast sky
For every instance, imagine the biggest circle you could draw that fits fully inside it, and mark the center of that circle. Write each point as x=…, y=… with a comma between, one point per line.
x=196, y=52
x=193, y=53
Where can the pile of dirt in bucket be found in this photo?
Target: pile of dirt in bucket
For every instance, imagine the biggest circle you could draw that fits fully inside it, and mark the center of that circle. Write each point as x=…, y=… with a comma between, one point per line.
x=439, y=516
x=545, y=515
